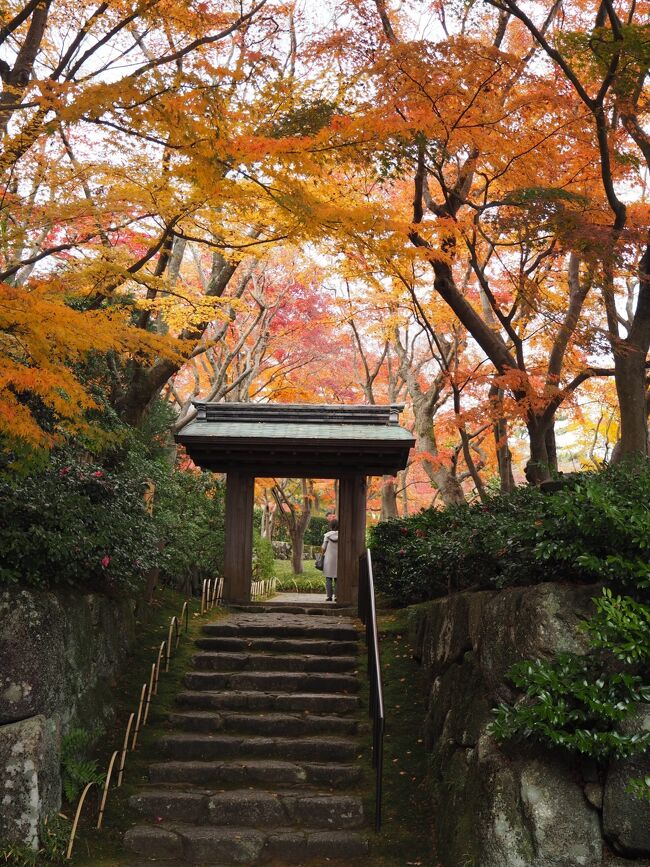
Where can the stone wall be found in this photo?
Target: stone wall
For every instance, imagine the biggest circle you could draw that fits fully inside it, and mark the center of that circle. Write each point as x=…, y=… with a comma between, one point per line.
x=514, y=805
x=58, y=654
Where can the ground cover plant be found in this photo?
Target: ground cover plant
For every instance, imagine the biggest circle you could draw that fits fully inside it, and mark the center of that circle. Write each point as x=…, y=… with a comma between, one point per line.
x=311, y=581
x=408, y=808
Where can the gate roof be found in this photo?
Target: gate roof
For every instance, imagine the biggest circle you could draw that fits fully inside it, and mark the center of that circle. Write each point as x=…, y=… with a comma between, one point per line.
x=297, y=440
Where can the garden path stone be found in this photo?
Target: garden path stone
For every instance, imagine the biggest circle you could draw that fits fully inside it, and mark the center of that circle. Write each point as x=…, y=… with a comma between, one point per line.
x=261, y=764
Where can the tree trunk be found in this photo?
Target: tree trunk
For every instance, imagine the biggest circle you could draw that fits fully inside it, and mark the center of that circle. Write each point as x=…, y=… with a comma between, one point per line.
x=388, y=498
x=441, y=476
x=297, y=549
x=295, y=522
x=631, y=390
x=405, y=494
x=297, y=533
x=630, y=362
x=537, y=468
x=551, y=447
x=504, y=455
x=268, y=522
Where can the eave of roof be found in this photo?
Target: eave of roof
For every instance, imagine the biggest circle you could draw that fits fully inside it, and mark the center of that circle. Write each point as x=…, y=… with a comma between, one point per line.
x=297, y=440
x=262, y=432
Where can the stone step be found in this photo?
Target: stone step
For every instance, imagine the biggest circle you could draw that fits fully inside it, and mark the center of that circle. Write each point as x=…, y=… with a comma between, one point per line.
x=270, y=681
x=189, y=747
x=229, y=846
x=210, y=661
x=256, y=808
x=283, y=626
x=249, y=772
x=281, y=725
x=328, y=608
x=320, y=703
x=258, y=644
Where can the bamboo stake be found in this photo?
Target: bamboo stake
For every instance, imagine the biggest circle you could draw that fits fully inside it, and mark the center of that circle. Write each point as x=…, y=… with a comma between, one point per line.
x=105, y=792
x=152, y=680
x=68, y=854
x=125, y=746
x=161, y=650
x=139, y=716
x=185, y=614
x=172, y=623
x=203, y=595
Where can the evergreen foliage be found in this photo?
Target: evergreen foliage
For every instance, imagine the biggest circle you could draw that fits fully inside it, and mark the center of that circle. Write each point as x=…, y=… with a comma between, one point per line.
x=578, y=701
x=79, y=519
x=597, y=529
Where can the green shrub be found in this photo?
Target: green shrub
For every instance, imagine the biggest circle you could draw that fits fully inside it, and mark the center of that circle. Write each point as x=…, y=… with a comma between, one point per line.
x=316, y=530
x=597, y=529
x=189, y=516
x=575, y=703
x=75, y=523
x=297, y=584
x=578, y=702
x=79, y=518
x=600, y=529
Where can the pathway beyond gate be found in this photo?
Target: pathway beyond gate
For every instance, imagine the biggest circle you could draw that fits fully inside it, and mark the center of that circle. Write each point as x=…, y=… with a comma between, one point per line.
x=263, y=763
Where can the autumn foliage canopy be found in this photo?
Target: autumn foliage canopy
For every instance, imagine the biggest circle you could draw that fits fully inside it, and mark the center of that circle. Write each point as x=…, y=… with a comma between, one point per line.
x=437, y=204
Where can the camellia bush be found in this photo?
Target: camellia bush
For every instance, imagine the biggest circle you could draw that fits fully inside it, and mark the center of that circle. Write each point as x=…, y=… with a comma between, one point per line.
x=79, y=519
x=596, y=529
x=75, y=524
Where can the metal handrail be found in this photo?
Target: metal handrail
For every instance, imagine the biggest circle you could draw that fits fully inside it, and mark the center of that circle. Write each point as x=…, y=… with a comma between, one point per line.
x=368, y=616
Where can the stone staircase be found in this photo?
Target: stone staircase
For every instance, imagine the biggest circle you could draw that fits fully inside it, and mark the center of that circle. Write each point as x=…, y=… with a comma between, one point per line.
x=263, y=757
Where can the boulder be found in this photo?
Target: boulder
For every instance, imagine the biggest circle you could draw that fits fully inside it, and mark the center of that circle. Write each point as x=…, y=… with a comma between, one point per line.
x=502, y=805
x=30, y=785
x=626, y=819
x=58, y=652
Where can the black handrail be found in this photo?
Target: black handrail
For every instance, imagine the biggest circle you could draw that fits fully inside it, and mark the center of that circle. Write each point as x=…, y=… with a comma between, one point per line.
x=368, y=616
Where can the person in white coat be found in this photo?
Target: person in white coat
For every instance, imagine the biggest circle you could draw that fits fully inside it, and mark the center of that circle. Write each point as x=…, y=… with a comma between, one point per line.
x=330, y=549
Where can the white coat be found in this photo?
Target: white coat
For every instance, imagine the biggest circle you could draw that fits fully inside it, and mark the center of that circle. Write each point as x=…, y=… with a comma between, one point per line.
x=331, y=549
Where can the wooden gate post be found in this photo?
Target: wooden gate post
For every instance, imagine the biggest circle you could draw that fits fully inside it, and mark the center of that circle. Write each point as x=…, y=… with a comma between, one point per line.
x=238, y=553
x=352, y=536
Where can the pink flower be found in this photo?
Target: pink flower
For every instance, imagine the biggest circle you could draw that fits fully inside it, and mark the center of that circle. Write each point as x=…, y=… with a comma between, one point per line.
x=105, y=561
x=98, y=474
x=64, y=471
x=401, y=552
x=420, y=534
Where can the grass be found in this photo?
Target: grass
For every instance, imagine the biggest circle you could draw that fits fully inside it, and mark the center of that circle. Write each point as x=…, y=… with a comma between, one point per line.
x=406, y=837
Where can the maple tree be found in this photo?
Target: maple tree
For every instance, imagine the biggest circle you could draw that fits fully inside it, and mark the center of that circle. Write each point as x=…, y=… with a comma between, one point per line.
x=146, y=133
x=603, y=52
x=183, y=185
x=482, y=130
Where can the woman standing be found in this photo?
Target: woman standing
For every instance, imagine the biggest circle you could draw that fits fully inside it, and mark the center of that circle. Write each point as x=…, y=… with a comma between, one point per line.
x=330, y=549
